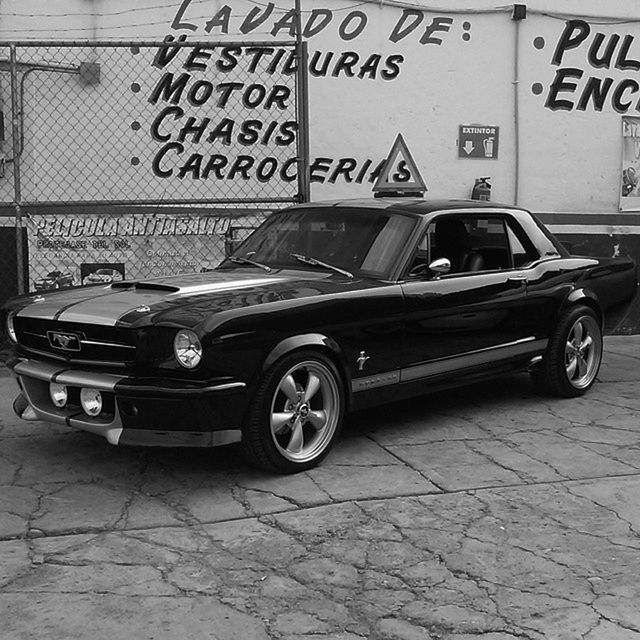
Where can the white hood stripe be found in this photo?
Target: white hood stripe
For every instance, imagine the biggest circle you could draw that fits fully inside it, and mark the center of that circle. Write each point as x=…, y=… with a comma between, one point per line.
x=108, y=309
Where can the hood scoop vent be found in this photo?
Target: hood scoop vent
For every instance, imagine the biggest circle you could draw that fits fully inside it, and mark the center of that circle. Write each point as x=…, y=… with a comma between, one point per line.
x=145, y=286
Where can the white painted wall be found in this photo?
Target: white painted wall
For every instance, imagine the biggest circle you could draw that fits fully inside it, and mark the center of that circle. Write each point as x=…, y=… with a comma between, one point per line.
x=569, y=160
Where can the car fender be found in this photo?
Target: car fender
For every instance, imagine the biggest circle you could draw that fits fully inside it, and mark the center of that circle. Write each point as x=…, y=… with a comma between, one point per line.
x=317, y=341
x=586, y=297
x=293, y=343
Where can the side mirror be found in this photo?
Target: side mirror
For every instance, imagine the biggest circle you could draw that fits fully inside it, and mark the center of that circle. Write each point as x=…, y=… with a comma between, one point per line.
x=440, y=266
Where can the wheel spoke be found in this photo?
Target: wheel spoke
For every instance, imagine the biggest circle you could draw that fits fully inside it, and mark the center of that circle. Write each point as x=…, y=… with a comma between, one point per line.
x=318, y=419
x=288, y=387
x=280, y=420
x=313, y=384
x=582, y=366
x=571, y=369
x=587, y=342
x=578, y=331
x=569, y=348
x=297, y=438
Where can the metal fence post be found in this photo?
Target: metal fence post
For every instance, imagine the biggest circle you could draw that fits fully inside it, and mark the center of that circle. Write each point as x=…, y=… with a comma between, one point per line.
x=15, y=140
x=302, y=86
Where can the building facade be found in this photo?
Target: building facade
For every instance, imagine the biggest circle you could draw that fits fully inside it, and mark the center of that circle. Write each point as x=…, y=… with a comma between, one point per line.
x=542, y=98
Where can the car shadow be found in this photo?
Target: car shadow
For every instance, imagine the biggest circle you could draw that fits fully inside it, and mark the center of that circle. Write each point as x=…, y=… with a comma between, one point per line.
x=187, y=465
x=162, y=470
x=486, y=394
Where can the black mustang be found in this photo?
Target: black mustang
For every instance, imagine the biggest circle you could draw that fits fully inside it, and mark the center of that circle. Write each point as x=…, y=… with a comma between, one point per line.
x=326, y=308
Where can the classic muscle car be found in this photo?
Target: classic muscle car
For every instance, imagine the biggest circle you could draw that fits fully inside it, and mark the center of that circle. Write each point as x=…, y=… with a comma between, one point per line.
x=102, y=276
x=54, y=280
x=324, y=309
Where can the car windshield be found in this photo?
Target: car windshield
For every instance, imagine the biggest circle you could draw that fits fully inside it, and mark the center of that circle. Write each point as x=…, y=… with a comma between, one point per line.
x=360, y=241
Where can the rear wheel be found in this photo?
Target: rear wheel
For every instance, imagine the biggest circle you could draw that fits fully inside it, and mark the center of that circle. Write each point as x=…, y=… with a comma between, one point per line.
x=573, y=356
x=296, y=414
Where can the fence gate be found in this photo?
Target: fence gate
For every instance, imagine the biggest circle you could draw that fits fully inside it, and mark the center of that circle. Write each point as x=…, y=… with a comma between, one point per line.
x=138, y=159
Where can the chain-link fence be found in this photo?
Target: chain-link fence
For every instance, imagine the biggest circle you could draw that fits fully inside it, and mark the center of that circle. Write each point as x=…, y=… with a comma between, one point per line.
x=143, y=159
x=90, y=248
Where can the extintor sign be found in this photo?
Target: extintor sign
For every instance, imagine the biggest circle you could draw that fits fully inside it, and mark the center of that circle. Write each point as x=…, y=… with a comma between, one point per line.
x=478, y=141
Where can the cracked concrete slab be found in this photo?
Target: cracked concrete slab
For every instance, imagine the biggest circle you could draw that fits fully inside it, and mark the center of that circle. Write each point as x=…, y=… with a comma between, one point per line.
x=486, y=513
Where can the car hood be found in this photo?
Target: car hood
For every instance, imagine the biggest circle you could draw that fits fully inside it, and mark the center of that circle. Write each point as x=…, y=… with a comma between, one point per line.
x=185, y=300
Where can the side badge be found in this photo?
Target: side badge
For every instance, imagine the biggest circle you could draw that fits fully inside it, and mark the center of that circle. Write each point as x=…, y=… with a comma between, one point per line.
x=143, y=308
x=362, y=360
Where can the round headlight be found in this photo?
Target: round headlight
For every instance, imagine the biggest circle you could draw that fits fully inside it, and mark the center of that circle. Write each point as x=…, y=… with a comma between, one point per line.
x=187, y=348
x=11, y=329
x=58, y=393
x=91, y=401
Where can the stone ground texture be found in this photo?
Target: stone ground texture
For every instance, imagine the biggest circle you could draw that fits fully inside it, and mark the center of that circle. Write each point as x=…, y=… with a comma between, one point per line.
x=485, y=512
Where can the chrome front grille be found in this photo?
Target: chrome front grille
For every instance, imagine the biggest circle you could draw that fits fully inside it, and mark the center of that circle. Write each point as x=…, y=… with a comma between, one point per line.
x=73, y=342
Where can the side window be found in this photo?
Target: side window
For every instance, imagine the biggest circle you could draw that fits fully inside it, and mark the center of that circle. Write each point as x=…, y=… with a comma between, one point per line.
x=545, y=244
x=522, y=249
x=473, y=243
x=488, y=236
x=470, y=243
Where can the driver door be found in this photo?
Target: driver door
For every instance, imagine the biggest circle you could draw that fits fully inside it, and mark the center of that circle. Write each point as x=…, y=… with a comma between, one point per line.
x=464, y=319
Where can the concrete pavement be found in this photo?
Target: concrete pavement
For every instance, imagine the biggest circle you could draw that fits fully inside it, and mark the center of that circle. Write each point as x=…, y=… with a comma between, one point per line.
x=486, y=512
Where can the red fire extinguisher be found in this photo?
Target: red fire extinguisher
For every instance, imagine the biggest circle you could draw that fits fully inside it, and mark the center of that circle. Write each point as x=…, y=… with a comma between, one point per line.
x=481, y=189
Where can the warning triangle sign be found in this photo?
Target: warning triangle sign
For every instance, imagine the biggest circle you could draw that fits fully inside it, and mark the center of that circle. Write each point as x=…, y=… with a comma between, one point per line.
x=399, y=174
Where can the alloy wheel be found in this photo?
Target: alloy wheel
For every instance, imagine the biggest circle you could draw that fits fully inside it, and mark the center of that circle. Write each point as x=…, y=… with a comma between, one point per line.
x=305, y=411
x=583, y=351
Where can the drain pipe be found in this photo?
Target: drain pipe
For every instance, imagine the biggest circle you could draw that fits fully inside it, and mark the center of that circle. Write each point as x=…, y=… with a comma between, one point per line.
x=519, y=13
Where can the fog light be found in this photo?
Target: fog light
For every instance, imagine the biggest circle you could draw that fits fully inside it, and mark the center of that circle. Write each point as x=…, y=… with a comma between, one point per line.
x=91, y=401
x=58, y=393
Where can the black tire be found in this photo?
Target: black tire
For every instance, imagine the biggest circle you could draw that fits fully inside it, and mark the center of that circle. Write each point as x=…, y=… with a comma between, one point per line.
x=574, y=354
x=296, y=414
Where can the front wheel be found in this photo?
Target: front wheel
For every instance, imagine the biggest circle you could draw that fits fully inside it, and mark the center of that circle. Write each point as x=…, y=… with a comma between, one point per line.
x=296, y=414
x=573, y=356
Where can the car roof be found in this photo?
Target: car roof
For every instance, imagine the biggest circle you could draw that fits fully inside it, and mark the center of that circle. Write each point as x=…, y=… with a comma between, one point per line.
x=419, y=206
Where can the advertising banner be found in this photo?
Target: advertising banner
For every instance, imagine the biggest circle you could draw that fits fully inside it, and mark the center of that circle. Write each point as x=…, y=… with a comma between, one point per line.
x=630, y=179
x=72, y=250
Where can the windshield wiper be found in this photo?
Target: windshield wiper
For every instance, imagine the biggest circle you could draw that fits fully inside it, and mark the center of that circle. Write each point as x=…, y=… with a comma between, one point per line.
x=237, y=260
x=318, y=263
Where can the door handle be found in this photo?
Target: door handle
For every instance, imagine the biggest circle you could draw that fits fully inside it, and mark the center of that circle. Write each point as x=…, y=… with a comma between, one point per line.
x=517, y=277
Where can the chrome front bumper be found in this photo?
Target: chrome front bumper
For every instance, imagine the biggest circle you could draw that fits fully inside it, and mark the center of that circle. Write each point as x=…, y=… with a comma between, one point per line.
x=34, y=377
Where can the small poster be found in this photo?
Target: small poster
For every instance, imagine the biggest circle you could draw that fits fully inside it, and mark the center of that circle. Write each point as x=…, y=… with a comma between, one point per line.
x=101, y=272
x=630, y=178
x=478, y=141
